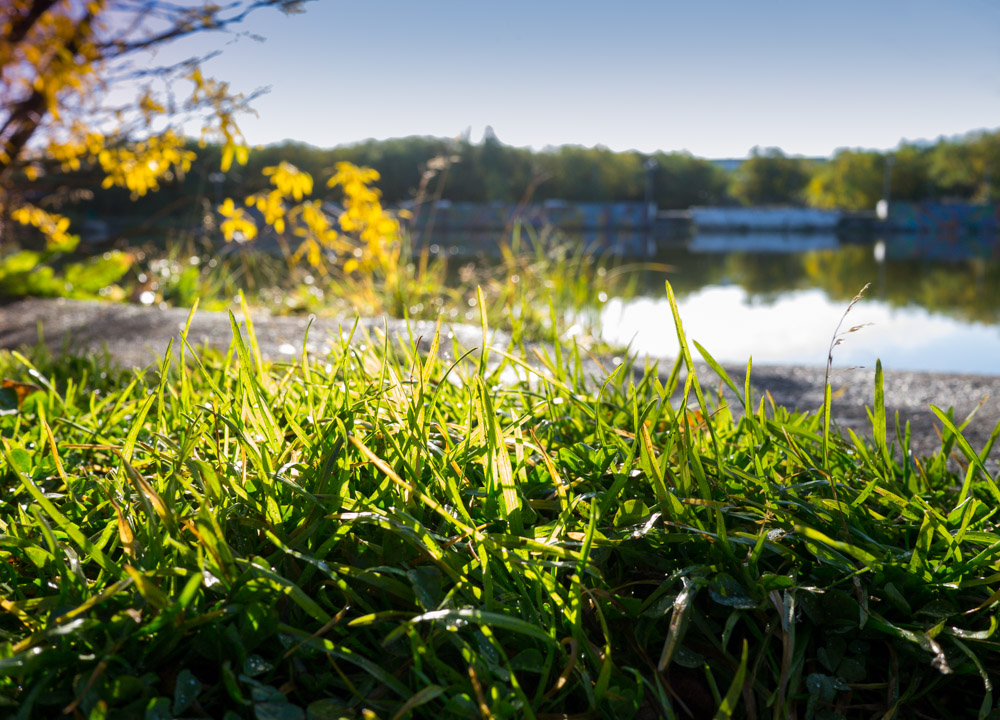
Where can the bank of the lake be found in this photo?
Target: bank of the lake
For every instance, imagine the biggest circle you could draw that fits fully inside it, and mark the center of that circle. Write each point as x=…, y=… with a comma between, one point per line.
x=137, y=336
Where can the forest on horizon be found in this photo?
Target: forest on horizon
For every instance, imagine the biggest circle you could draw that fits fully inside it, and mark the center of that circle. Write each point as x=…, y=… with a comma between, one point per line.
x=964, y=169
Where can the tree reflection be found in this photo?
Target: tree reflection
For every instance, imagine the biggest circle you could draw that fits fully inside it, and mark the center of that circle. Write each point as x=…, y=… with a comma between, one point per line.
x=964, y=284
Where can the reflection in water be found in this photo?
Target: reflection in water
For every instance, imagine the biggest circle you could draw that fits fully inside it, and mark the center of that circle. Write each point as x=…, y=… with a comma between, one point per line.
x=795, y=327
x=950, y=278
x=768, y=242
x=934, y=302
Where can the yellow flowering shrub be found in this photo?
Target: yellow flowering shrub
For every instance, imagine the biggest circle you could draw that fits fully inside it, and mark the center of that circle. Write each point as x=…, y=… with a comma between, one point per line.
x=54, y=227
x=221, y=125
x=141, y=166
x=238, y=225
x=364, y=237
x=63, y=65
x=364, y=217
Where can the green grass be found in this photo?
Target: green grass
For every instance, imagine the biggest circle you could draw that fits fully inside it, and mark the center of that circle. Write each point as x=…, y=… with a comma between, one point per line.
x=383, y=533
x=534, y=274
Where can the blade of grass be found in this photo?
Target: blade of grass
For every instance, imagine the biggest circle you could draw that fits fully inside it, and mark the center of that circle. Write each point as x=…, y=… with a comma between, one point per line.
x=879, y=426
x=481, y=617
x=728, y=705
x=970, y=455
x=682, y=606
x=70, y=528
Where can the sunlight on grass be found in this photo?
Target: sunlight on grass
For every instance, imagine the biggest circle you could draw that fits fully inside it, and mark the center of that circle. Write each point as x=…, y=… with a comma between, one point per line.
x=378, y=533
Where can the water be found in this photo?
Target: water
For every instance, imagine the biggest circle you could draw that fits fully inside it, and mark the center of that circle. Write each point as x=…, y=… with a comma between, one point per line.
x=933, y=303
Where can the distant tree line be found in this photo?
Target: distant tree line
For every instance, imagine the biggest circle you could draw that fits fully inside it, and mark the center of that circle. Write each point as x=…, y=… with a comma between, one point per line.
x=961, y=169
x=965, y=168
x=464, y=171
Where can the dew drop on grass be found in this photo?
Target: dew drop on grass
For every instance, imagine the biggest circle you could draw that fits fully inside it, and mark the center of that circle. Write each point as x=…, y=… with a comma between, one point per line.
x=256, y=665
x=186, y=690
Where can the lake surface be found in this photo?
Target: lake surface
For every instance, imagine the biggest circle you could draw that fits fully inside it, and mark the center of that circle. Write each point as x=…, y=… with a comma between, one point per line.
x=933, y=303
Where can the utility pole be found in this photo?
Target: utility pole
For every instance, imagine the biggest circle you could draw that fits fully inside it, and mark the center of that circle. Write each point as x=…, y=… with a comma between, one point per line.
x=882, y=207
x=650, y=164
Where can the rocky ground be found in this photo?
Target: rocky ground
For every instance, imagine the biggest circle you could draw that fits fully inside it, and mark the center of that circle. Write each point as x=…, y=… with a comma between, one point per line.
x=137, y=336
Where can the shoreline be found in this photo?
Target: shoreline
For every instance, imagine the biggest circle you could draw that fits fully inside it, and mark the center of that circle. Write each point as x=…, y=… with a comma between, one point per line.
x=137, y=336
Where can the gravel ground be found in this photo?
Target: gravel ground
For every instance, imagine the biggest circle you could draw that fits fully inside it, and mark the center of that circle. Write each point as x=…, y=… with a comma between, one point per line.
x=137, y=336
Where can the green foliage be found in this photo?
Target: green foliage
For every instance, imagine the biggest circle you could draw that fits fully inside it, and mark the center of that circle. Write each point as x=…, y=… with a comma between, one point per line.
x=479, y=172
x=852, y=180
x=381, y=533
x=49, y=274
x=681, y=180
x=855, y=179
x=909, y=174
x=769, y=177
x=967, y=167
x=460, y=170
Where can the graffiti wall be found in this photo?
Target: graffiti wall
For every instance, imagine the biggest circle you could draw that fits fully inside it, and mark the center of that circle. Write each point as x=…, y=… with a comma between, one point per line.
x=461, y=217
x=477, y=228
x=754, y=219
x=944, y=218
x=950, y=247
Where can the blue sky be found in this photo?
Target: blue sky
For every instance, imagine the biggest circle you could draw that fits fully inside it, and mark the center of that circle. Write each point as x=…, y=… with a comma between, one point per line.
x=713, y=77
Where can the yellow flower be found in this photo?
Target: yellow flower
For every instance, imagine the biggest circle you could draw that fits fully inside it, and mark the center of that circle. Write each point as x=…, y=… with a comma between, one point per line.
x=54, y=227
x=289, y=180
x=238, y=225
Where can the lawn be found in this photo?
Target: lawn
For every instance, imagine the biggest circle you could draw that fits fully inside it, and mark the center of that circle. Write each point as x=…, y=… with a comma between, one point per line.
x=382, y=533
